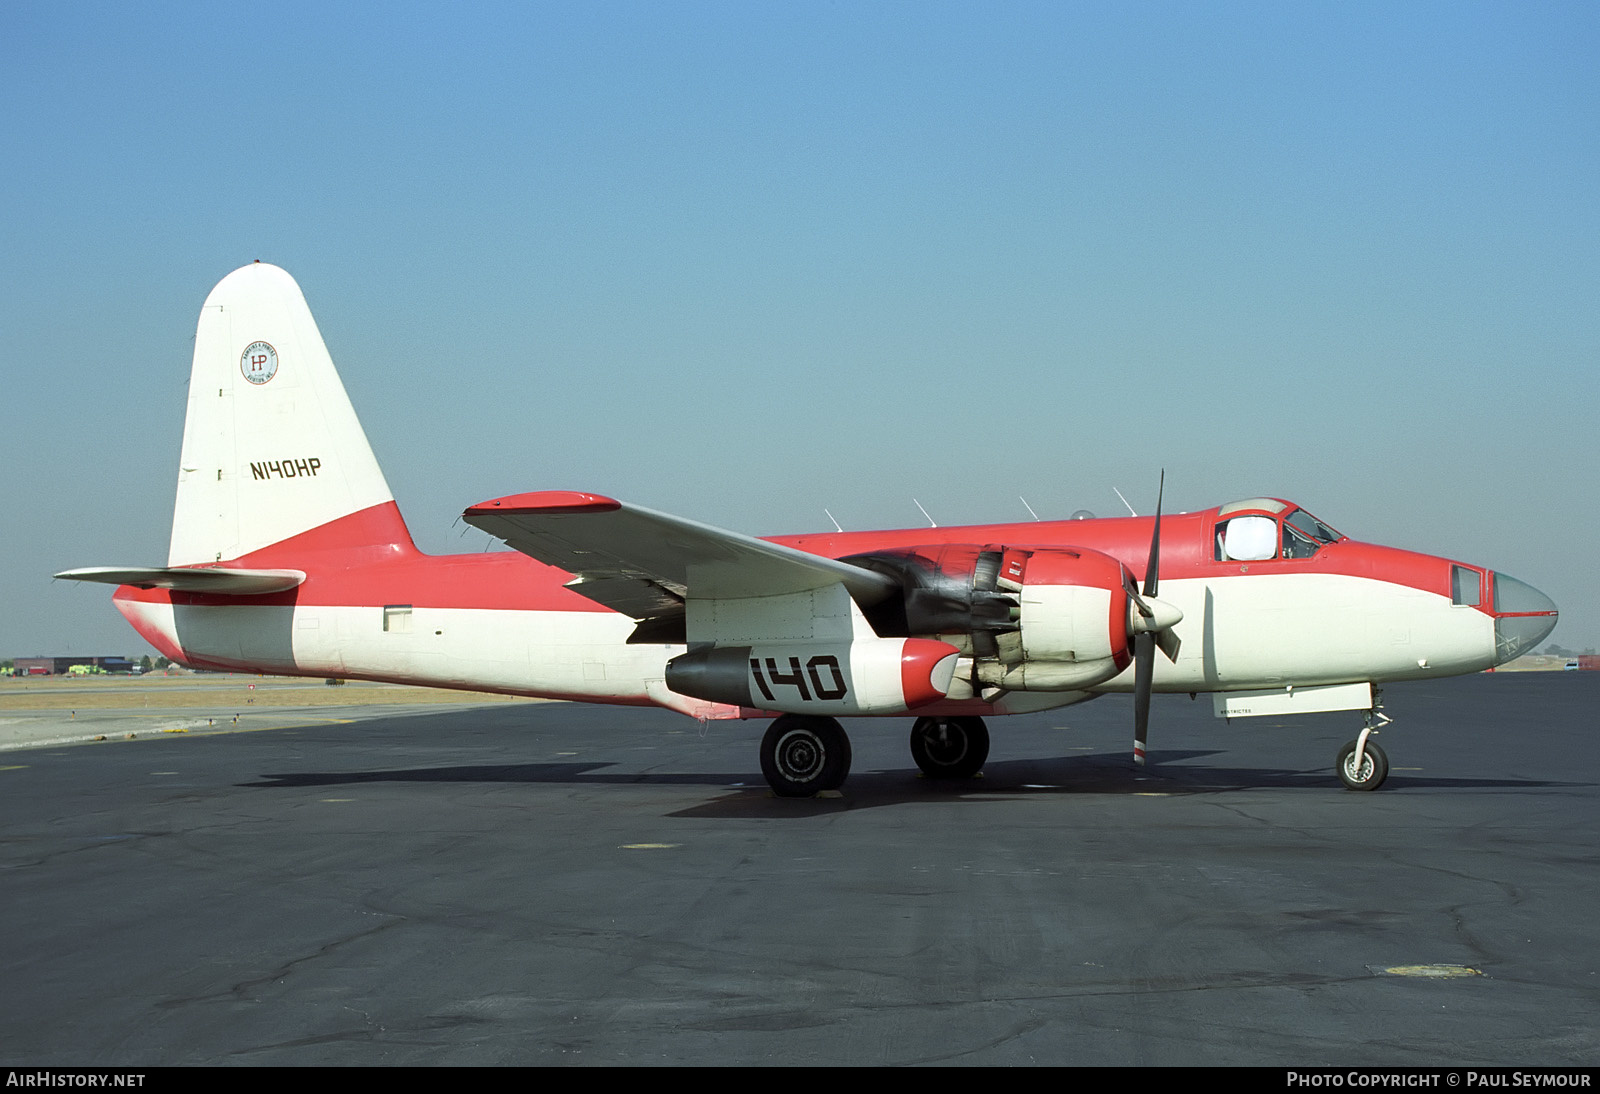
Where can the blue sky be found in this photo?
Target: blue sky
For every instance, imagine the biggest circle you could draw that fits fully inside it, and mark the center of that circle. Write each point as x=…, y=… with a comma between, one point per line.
x=746, y=261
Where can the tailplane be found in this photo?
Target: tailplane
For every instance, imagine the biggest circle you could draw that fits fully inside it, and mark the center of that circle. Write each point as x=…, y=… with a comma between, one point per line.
x=271, y=444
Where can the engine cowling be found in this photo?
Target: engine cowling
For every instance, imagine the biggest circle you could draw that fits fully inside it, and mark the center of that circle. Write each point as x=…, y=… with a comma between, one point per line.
x=1029, y=619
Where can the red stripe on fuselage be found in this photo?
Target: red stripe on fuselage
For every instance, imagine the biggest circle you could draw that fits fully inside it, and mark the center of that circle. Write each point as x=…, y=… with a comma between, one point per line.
x=1187, y=549
x=368, y=558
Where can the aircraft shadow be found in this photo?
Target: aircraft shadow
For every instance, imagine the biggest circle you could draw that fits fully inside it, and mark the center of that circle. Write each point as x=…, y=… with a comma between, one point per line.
x=1009, y=780
x=469, y=773
x=747, y=795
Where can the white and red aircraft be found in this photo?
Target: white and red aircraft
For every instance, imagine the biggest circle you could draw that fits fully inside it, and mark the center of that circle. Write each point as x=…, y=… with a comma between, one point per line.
x=289, y=556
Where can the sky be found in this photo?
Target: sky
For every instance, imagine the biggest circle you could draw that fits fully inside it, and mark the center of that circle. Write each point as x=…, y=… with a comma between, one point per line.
x=748, y=262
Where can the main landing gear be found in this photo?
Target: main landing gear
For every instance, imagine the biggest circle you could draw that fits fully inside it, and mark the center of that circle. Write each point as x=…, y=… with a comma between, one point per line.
x=802, y=754
x=949, y=748
x=1362, y=764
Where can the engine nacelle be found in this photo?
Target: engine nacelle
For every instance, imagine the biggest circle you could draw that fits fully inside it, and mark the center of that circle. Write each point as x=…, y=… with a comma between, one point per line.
x=1074, y=607
x=1032, y=619
x=863, y=676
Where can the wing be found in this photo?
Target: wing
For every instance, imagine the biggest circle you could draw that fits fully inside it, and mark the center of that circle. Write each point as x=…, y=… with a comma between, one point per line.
x=191, y=580
x=646, y=564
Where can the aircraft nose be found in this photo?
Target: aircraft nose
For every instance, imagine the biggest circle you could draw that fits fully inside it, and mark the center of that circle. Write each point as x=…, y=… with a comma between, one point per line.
x=1523, y=616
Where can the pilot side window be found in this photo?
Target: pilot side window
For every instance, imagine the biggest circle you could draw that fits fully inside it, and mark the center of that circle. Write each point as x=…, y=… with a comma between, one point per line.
x=1247, y=539
x=1296, y=544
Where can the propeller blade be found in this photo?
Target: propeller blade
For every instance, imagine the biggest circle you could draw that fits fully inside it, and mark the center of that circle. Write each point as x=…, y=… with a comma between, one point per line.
x=1131, y=587
x=1169, y=643
x=1144, y=663
x=1144, y=642
x=1152, y=586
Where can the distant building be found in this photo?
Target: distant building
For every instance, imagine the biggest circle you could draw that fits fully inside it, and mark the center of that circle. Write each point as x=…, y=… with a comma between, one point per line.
x=58, y=666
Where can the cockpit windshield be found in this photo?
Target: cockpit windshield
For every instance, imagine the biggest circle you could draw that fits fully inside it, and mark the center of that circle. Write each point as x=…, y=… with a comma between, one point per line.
x=1312, y=527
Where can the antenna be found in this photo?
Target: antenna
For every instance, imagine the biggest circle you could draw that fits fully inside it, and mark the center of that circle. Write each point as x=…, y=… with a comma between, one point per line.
x=835, y=520
x=931, y=522
x=1028, y=507
x=1117, y=492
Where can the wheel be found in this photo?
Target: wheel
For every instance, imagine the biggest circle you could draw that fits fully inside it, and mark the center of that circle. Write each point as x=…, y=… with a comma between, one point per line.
x=801, y=755
x=1374, y=767
x=949, y=748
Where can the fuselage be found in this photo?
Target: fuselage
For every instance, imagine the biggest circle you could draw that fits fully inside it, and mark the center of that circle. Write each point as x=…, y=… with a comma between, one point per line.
x=1328, y=611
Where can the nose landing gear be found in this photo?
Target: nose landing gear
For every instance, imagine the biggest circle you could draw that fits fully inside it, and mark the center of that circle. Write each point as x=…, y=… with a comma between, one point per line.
x=1362, y=764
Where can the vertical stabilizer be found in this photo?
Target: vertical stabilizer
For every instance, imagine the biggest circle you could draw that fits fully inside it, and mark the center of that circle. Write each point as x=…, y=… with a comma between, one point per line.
x=271, y=445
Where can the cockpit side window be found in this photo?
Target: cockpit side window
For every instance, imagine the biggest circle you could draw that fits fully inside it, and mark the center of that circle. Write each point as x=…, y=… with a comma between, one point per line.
x=1247, y=539
x=1296, y=544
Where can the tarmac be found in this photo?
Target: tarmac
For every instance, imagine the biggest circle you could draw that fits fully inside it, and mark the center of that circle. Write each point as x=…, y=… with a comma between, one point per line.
x=547, y=883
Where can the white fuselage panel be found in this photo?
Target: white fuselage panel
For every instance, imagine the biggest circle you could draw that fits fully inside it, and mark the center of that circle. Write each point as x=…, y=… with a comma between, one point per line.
x=1238, y=633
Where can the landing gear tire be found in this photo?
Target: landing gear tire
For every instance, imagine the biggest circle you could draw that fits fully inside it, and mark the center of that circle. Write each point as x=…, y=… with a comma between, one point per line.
x=1374, y=767
x=949, y=748
x=802, y=754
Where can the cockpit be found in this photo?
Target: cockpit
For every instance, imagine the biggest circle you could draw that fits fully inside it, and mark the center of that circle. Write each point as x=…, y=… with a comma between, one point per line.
x=1258, y=529
x=1268, y=530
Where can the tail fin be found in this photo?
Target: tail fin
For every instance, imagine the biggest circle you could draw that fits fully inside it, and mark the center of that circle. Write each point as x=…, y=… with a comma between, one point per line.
x=271, y=445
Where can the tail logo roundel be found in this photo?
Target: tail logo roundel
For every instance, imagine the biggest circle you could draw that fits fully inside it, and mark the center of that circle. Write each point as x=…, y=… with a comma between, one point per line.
x=259, y=362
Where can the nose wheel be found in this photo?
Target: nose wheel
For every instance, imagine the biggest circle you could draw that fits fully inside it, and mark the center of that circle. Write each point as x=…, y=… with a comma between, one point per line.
x=802, y=754
x=949, y=748
x=1366, y=772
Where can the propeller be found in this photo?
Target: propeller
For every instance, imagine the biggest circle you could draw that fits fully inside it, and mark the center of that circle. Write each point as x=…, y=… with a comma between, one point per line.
x=1151, y=622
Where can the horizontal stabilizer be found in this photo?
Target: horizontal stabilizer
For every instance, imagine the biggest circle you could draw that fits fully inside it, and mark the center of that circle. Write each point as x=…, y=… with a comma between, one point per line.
x=620, y=553
x=189, y=580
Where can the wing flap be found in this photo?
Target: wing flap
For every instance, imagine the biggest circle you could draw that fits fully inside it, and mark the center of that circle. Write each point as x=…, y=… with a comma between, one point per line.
x=635, y=597
x=191, y=580
x=616, y=550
